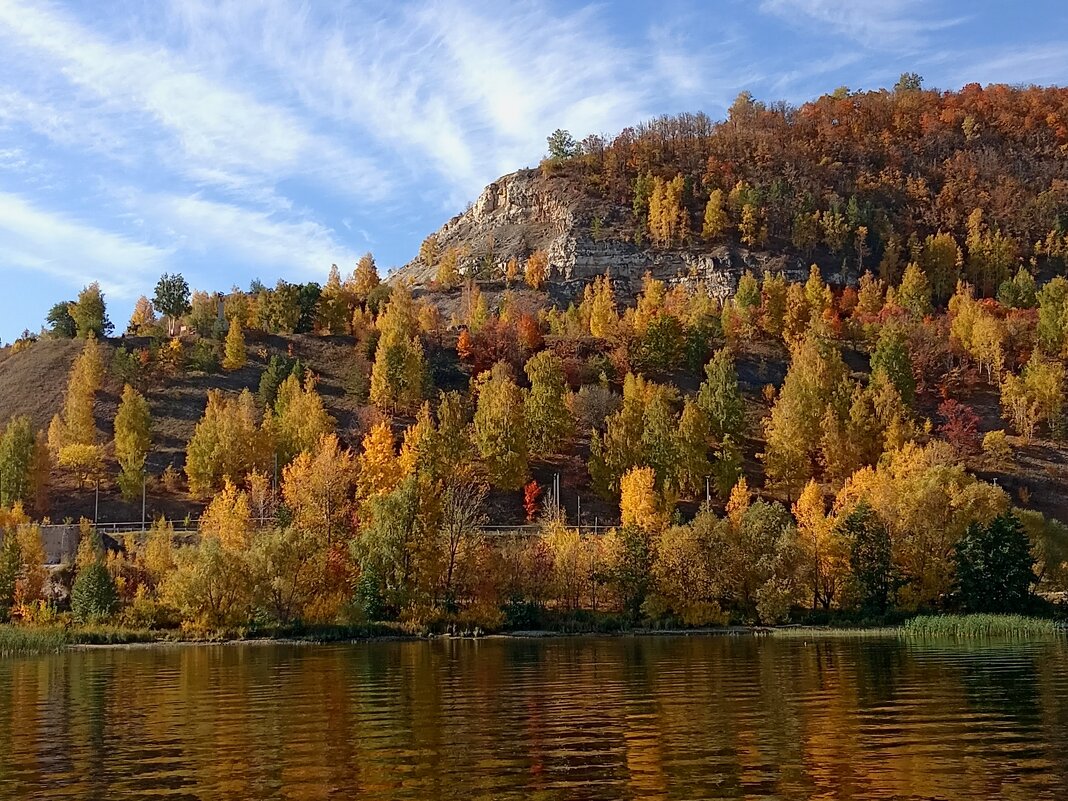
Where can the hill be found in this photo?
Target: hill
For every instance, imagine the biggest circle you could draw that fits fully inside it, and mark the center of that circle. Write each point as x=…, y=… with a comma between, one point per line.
x=851, y=181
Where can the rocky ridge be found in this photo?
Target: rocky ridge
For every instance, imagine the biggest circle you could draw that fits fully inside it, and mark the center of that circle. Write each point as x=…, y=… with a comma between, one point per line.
x=584, y=237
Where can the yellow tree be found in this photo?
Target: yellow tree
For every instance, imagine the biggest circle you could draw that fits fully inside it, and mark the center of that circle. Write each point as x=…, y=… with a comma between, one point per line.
x=640, y=504
x=398, y=373
x=235, y=356
x=448, y=275
x=76, y=425
x=143, y=318
x=335, y=306
x=300, y=418
x=318, y=489
x=536, y=271
x=228, y=518
x=133, y=438
x=226, y=442
x=364, y=277
x=715, y=222
x=752, y=229
x=604, y=319
x=817, y=377
x=379, y=468
x=825, y=556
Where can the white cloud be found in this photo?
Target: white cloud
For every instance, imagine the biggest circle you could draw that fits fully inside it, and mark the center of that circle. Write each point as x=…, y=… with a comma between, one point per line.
x=75, y=252
x=877, y=24
x=212, y=131
x=209, y=230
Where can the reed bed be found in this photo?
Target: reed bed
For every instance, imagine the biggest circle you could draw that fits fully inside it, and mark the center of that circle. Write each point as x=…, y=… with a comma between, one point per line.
x=981, y=626
x=19, y=641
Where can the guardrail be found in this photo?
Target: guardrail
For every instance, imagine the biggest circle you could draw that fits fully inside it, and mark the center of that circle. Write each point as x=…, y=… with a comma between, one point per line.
x=181, y=527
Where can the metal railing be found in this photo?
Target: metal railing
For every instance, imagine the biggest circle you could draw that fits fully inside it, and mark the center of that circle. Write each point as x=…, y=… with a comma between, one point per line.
x=182, y=527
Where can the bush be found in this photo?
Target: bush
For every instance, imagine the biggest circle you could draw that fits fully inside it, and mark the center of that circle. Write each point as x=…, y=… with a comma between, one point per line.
x=204, y=356
x=93, y=597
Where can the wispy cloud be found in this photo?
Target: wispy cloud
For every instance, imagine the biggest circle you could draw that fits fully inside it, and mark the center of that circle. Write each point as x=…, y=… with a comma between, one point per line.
x=878, y=24
x=213, y=132
x=73, y=251
x=302, y=249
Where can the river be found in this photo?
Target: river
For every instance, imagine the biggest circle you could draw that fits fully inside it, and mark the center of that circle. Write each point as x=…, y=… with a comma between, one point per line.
x=581, y=718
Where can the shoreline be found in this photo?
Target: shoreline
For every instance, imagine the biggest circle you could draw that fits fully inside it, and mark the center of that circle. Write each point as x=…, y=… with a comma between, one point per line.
x=15, y=640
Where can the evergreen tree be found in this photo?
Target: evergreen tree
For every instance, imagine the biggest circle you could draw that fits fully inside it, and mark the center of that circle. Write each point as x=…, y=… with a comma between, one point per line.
x=994, y=566
x=720, y=398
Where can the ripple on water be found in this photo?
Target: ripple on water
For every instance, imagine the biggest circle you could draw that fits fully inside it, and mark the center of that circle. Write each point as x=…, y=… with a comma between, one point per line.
x=591, y=719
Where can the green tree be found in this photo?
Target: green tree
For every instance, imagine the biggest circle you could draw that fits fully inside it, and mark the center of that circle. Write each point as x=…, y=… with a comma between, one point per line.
x=891, y=358
x=940, y=259
x=994, y=566
x=171, y=298
x=90, y=312
x=133, y=438
x=93, y=598
x=720, y=398
x=561, y=145
x=870, y=557
x=16, y=461
x=60, y=323
x=500, y=430
x=547, y=418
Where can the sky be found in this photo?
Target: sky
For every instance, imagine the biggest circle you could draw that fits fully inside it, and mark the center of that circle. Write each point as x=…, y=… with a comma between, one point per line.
x=244, y=139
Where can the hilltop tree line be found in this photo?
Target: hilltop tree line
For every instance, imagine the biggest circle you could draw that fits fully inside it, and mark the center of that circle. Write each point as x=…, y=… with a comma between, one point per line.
x=966, y=182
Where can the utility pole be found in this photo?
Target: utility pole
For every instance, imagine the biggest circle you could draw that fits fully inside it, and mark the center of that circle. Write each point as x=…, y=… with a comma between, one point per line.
x=143, y=480
x=96, y=506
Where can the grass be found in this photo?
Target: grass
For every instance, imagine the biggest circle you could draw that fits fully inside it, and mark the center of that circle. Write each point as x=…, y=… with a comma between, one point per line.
x=826, y=632
x=19, y=641
x=981, y=626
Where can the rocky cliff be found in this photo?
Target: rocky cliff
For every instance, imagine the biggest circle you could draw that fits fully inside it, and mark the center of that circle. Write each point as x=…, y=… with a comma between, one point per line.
x=584, y=235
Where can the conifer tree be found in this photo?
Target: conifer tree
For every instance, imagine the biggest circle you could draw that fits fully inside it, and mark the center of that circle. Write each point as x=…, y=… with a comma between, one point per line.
x=365, y=277
x=604, y=319
x=715, y=220
x=720, y=398
x=133, y=438
x=235, y=356
x=547, y=418
x=500, y=431
x=379, y=468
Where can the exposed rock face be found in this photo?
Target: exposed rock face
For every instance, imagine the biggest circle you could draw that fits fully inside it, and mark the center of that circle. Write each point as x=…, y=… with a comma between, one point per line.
x=528, y=211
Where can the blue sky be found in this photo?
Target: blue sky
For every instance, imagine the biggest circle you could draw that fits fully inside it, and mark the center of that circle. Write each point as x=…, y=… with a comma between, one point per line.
x=266, y=139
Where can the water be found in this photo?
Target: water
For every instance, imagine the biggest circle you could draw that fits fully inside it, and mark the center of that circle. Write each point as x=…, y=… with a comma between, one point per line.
x=602, y=718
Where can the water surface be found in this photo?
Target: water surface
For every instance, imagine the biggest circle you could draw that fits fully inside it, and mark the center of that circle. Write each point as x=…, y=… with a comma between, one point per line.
x=599, y=718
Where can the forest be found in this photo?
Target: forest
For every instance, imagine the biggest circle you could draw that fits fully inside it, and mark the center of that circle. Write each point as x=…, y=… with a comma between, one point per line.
x=882, y=471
